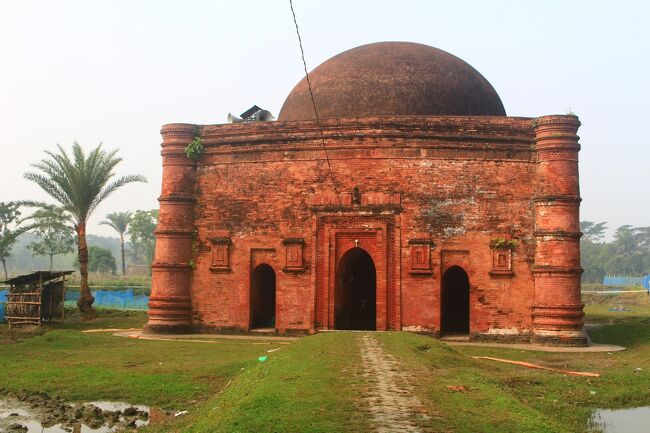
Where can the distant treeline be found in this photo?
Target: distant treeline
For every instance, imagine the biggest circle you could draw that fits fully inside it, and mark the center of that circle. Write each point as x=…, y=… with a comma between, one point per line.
x=45, y=240
x=628, y=254
x=22, y=259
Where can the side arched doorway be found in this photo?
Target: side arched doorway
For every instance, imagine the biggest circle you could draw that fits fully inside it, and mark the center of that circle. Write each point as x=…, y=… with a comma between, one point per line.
x=355, y=299
x=455, y=302
x=262, y=302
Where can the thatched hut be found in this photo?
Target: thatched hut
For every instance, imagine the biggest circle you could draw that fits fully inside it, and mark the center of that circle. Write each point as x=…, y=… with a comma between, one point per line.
x=36, y=298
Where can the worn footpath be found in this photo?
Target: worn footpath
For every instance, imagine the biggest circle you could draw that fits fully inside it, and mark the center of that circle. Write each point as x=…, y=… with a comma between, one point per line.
x=390, y=397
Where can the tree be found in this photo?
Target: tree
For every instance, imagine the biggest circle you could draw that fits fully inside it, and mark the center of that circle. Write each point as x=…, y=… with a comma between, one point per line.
x=10, y=229
x=141, y=233
x=79, y=183
x=101, y=260
x=593, y=251
x=627, y=254
x=53, y=229
x=630, y=251
x=119, y=221
x=593, y=232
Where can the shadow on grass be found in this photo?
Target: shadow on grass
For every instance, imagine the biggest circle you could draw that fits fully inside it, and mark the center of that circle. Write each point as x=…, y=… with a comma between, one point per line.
x=630, y=332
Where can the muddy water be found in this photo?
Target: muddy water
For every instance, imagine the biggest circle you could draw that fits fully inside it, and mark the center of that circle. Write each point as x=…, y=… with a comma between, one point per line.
x=634, y=420
x=15, y=413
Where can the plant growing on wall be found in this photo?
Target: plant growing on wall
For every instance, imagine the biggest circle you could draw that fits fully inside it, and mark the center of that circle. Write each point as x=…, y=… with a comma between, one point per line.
x=194, y=150
x=195, y=248
x=503, y=244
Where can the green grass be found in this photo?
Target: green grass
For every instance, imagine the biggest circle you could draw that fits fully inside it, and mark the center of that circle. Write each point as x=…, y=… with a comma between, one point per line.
x=597, y=307
x=487, y=405
x=89, y=366
x=313, y=385
x=304, y=387
x=571, y=399
x=508, y=398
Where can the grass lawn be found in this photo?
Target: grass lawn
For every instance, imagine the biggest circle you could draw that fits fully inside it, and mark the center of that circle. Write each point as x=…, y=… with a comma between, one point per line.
x=313, y=384
x=79, y=366
x=304, y=387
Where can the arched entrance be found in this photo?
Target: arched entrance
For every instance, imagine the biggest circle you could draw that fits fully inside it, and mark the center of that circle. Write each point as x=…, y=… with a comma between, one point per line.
x=356, y=291
x=455, y=301
x=263, y=297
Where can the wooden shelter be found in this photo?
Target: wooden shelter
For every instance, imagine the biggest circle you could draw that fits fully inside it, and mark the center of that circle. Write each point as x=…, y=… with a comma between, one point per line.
x=36, y=298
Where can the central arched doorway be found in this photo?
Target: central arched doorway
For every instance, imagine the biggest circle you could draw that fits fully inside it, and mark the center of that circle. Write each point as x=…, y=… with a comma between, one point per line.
x=262, y=297
x=455, y=302
x=356, y=291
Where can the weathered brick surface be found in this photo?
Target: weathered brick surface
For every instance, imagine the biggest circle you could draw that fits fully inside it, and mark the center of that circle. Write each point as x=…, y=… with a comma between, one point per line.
x=261, y=193
x=557, y=309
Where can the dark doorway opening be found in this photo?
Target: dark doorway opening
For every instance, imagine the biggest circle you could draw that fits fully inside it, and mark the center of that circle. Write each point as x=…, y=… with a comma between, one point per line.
x=356, y=292
x=263, y=297
x=455, y=302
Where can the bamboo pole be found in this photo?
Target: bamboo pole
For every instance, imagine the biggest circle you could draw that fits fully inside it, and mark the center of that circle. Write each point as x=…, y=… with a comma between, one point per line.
x=49, y=310
x=539, y=367
x=24, y=322
x=65, y=277
x=24, y=303
x=40, y=283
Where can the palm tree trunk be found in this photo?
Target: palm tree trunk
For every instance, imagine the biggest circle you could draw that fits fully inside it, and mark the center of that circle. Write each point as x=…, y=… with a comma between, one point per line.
x=4, y=266
x=86, y=299
x=51, y=261
x=122, y=250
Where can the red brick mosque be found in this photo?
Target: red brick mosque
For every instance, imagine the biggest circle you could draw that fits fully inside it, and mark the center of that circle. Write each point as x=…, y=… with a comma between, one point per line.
x=414, y=204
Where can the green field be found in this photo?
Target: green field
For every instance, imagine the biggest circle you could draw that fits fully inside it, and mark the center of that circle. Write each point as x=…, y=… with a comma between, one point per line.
x=315, y=384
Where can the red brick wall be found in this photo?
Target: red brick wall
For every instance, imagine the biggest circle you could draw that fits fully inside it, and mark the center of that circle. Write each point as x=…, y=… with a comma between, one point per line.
x=557, y=309
x=439, y=187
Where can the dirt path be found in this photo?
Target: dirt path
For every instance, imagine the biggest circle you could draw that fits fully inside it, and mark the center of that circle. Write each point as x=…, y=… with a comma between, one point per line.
x=393, y=405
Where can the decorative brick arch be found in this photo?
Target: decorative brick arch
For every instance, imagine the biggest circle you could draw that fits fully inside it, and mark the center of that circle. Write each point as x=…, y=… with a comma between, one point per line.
x=376, y=235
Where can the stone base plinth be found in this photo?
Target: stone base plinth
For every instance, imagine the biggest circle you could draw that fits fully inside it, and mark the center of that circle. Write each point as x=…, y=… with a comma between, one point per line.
x=168, y=329
x=560, y=338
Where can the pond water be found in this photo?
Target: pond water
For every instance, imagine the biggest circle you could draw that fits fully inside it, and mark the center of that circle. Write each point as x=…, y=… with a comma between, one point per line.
x=633, y=420
x=14, y=411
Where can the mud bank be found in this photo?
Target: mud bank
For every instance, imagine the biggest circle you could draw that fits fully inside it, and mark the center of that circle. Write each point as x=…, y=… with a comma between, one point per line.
x=26, y=412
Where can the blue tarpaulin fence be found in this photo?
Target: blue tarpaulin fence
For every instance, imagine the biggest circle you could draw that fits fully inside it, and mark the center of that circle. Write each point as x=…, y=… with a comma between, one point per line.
x=627, y=281
x=116, y=299
x=3, y=299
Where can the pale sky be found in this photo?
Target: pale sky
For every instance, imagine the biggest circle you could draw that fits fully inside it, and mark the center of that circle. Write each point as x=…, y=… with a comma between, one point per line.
x=115, y=71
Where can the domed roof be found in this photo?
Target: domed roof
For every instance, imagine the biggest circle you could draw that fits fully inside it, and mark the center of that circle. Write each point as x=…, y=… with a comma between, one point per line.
x=393, y=78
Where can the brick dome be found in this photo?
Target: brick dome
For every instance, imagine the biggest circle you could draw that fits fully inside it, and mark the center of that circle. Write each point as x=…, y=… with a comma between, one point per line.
x=393, y=78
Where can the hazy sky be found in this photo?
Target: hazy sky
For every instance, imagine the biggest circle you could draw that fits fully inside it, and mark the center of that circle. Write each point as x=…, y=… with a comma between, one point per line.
x=115, y=71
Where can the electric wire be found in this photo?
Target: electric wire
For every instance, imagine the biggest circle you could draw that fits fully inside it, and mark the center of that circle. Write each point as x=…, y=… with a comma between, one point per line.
x=313, y=103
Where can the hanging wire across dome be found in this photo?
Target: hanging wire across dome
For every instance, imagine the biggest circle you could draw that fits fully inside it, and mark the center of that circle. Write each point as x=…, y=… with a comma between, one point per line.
x=393, y=79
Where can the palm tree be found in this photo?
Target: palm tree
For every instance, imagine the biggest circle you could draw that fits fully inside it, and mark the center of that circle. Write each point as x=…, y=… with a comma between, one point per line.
x=119, y=221
x=79, y=184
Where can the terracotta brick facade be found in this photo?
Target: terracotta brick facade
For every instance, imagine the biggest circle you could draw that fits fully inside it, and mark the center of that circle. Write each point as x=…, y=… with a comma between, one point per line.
x=418, y=194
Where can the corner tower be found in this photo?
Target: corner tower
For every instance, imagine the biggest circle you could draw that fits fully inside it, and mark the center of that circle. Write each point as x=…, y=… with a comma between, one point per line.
x=557, y=309
x=170, y=302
